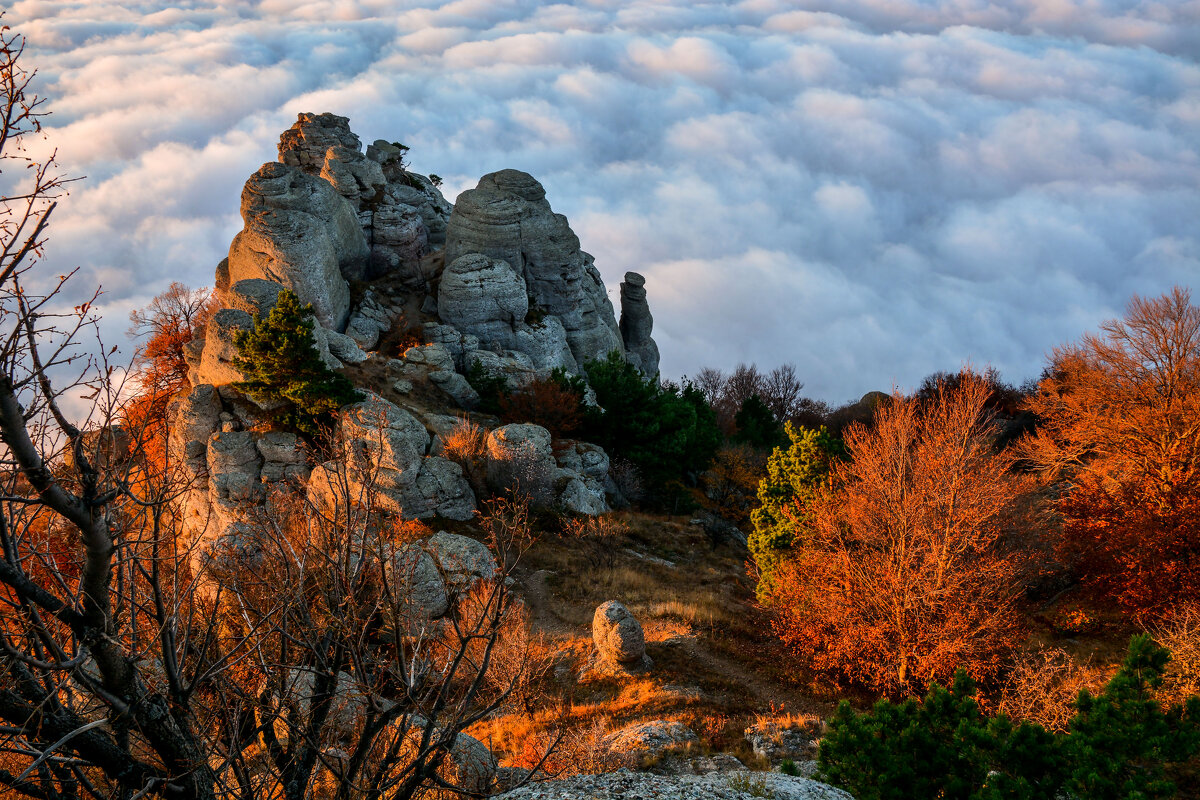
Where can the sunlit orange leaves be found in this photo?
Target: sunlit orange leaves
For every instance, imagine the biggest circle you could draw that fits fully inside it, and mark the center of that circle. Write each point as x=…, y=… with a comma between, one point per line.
x=902, y=579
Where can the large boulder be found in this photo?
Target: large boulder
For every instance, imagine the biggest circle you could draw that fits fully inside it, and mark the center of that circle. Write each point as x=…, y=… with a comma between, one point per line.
x=485, y=297
x=462, y=560
x=419, y=585
x=472, y=765
x=301, y=234
x=441, y=490
x=636, y=325
x=520, y=458
x=618, y=635
x=507, y=218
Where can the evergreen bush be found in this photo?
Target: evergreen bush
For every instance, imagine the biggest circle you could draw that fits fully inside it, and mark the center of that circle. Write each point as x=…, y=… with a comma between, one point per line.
x=669, y=433
x=1117, y=746
x=283, y=368
x=794, y=476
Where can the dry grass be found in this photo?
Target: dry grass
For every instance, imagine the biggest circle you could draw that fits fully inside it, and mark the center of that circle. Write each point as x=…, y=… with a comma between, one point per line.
x=466, y=443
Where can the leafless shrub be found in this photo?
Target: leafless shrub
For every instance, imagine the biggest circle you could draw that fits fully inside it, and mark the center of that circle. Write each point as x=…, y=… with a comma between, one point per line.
x=466, y=443
x=628, y=479
x=583, y=750
x=1181, y=635
x=521, y=658
x=1042, y=686
x=596, y=537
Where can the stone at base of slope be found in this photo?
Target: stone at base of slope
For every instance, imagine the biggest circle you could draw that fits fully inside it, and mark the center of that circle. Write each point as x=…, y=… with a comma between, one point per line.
x=628, y=785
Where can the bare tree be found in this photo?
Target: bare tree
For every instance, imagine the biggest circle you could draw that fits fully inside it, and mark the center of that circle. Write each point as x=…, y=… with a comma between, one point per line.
x=291, y=660
x=779, y=390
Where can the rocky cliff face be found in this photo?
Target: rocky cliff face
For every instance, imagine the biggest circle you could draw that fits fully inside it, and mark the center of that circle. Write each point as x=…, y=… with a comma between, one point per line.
x=501, y=282
x=507, y=218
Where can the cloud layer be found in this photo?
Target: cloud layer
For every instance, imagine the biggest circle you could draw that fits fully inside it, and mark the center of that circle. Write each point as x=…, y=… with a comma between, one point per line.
x=871, y=189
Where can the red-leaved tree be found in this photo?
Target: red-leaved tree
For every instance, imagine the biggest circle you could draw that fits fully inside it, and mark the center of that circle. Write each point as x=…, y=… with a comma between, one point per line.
x=902, y=578
x=1120, y=431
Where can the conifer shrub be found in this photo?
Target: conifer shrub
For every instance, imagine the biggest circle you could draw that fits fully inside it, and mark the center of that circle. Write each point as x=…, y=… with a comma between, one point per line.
x=668, y=432
x=1116, y=747
x=283, y=368
x=757, y=426
x=795, y=474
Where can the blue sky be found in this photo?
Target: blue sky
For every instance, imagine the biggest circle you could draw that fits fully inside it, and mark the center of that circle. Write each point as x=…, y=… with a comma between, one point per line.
x=870, y=189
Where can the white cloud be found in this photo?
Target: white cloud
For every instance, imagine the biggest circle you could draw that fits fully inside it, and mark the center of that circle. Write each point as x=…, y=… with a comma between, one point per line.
x=872, y=189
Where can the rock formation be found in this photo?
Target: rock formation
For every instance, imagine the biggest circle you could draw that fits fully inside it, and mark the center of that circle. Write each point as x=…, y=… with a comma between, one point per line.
x=502, y=285
x=636, y=325
x=507, y=218
x=618, y=637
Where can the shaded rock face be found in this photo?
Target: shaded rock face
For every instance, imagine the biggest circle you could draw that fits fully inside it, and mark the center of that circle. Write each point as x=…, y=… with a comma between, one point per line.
x=400, y=213
x=507, y=218
x=618, y=635
x=636, y=325
x=300, y=234
x=484, y=297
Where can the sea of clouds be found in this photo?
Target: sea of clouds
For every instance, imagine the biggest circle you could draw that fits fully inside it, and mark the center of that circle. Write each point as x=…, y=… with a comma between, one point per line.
x=870, y=189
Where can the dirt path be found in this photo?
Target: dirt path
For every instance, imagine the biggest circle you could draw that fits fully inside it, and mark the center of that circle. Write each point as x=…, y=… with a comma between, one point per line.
x=537, y=597
x=768, y=695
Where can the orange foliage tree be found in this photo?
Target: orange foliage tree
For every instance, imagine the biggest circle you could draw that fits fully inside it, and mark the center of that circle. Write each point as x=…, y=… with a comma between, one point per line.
x=160, y=368
x=1120, y=429
x=902, y=578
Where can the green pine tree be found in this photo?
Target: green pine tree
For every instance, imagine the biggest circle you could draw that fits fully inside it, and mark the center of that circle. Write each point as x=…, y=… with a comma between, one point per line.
x=283, y=368
x=794, y=477
x=1120, y=740
x=757, y=426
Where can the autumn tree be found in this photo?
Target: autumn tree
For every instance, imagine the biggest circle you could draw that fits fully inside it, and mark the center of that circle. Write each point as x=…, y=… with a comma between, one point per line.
x=900, y=578
x=1120, y=432
x=160, y=369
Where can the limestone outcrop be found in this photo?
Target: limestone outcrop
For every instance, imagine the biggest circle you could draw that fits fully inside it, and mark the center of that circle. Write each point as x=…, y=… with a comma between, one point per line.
x=618, y=637
x=501, y=285
x=409, y=296
x=507, y=218
x=636, y=325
